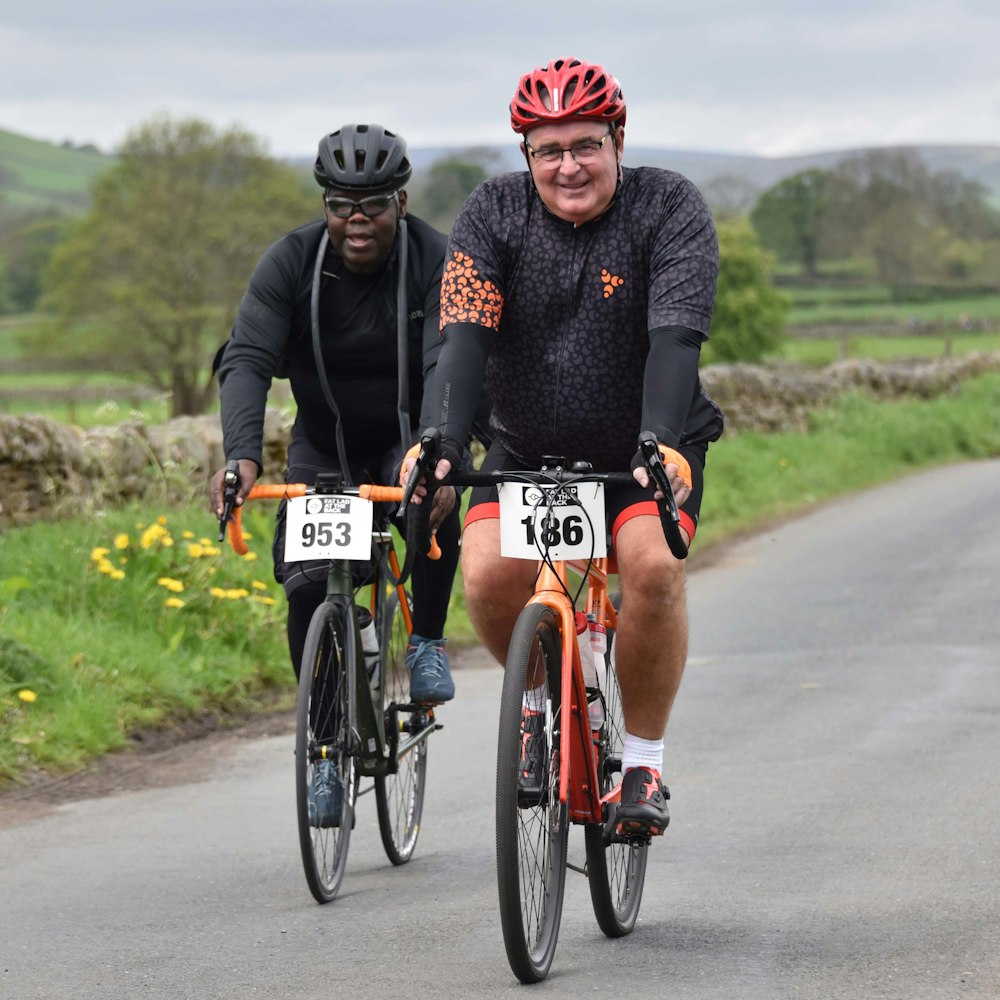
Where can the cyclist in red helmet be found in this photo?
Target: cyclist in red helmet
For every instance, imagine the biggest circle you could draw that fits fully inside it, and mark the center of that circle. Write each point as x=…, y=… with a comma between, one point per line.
x=579, y=293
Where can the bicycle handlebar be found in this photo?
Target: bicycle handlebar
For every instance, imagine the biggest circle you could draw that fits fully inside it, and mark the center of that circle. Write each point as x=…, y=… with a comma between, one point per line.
x=430, y=443
x=367, y=491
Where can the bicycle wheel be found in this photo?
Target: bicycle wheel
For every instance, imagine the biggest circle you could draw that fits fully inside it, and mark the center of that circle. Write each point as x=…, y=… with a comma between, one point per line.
x=616, y=872
x=399, y=797
x=531, y=830
x=324, y=767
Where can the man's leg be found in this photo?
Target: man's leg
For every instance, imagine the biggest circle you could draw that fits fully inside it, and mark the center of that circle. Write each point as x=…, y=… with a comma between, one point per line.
x=651, y=650
x=652, y=635
x=496, y=589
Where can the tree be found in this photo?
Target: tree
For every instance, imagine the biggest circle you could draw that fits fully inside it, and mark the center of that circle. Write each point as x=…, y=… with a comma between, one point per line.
x=749, y=317
x=157, y=267
x=29, y=245
x=788, y=218
x=449, y=181
x=729, y=195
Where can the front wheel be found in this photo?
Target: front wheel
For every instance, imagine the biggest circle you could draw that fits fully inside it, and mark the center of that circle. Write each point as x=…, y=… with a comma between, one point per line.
x=616, y=871
x=325, y=773
x=531, y=824
x=399, y=796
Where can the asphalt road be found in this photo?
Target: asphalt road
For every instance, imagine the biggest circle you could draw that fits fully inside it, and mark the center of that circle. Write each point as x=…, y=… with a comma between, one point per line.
x=833, y=758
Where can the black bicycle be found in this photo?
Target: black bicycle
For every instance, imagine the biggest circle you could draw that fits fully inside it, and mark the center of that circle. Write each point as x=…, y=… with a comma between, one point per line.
x=354, y=715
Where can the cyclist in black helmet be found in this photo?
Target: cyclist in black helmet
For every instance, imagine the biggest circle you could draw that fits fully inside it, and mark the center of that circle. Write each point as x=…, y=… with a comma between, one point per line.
x=322, y=310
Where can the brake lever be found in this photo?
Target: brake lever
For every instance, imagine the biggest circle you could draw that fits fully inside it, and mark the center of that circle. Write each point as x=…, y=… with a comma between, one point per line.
x=231, y=488
x=430, y=446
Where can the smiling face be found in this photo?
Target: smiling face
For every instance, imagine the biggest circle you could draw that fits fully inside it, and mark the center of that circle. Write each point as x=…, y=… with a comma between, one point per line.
x=363, y=242
x=572, y=190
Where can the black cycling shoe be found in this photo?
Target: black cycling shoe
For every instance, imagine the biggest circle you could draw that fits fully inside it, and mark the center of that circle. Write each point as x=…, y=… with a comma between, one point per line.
x=642, y=812
x=533, y=767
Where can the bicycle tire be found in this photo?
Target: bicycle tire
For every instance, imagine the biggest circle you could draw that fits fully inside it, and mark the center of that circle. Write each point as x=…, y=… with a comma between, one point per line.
x=530, y=839
x=399, y=796
x=616, y=873
x=322, y=732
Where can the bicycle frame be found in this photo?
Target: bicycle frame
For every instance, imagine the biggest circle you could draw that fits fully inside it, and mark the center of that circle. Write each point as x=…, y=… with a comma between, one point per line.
x=576, y=743
x=376, y=744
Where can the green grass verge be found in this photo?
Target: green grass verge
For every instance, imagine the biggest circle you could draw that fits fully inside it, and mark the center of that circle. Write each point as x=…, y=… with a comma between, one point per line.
x=87, y=658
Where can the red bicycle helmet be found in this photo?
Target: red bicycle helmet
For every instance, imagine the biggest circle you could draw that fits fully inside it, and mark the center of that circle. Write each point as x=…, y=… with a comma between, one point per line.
x=563, y=89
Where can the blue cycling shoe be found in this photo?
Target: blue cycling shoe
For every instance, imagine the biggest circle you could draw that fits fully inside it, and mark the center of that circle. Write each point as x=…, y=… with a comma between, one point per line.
x=324, y=795
x=430, y=674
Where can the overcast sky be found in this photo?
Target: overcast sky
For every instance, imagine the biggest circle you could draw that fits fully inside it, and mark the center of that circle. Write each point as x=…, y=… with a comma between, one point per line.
x=772, y=77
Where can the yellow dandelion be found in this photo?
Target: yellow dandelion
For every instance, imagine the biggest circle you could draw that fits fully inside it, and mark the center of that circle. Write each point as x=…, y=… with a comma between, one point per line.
x=258, y=585
x=211, y=550
x=250, y=556
x=269, y=601
x=104, y=566
x=237, y=593
x=168, y=583
x=207, y=542
x=217, y=592
x=117, y=574
x=166, y=541
x=173, y=602
x=187, y=534
x=26, y=694
x=121, y=541
x=97, y=554
x=195, y=550
x=161, y=519
x=151, y=535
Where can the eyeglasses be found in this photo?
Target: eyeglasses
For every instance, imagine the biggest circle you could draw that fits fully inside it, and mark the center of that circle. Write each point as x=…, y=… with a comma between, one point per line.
x=344, y=208
x=585, y=151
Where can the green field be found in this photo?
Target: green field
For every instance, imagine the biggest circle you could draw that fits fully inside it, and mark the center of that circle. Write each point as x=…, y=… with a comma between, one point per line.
x=105, y=629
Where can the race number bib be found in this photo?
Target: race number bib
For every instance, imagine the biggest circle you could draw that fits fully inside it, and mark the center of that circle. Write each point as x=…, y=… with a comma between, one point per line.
x=566, y=522
x=328, y=527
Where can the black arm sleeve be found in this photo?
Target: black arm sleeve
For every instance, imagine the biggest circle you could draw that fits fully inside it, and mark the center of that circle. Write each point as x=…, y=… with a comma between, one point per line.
x=670, y=382
x=457, y=388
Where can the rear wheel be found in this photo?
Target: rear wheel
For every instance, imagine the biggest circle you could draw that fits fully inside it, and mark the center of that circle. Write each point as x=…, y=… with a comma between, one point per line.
x=324, y=766
x=531, y=829
x=399, y=797
x=616, y=871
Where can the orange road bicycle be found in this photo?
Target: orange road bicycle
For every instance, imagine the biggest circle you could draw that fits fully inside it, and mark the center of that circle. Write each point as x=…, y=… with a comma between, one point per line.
x=354, y=717
x=583, y=751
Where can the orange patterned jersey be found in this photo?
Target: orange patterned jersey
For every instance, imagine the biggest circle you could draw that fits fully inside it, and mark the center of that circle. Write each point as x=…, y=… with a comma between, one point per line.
x=570, y=309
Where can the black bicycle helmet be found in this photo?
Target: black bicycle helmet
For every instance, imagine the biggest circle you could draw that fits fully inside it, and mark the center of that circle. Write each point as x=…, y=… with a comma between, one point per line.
x=362, y=158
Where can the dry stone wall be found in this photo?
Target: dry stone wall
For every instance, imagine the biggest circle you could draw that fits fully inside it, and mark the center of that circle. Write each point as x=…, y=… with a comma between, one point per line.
x=48, y=469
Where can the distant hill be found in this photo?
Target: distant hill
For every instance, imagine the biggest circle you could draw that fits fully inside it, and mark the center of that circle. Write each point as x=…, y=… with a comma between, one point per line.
x=41, y=175
x=978, y=163
x=36, y=174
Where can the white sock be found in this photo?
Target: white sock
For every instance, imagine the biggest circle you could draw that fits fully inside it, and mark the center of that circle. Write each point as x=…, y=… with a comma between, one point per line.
x=534, y=699
x=637, y=752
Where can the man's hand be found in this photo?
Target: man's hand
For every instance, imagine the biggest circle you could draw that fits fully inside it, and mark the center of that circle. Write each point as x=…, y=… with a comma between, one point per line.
x=445, y=497
x=678, y=474
x=248, y=476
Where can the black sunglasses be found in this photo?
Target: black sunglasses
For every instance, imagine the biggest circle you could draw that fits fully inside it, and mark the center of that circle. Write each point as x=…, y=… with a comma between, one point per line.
x=344, y=208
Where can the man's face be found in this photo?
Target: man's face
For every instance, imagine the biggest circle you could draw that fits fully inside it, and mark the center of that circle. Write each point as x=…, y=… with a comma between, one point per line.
x=364, y=242
x=575, y=189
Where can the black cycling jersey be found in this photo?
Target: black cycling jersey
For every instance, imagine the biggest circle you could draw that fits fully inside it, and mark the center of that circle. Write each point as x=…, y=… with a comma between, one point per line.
x=585, y=333
x=272, y=338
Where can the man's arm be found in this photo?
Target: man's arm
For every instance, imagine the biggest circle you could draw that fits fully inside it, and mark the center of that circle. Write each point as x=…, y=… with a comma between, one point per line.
x=670, y=382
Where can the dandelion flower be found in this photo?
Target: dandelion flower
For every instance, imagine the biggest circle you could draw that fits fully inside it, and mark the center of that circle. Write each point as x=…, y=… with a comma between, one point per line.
x=121, y=541
x=258, y=585
x=237, y=593
x=217, y=592
x=168, y=583
x=117, y=574
x=151, y=535
x=187, y=534
x=174, y=602
x=26, y=694
x=250, y=556
x=166, y=541
x=97, y=554
x=161, y=519
x=195, y=550
x=269, y=601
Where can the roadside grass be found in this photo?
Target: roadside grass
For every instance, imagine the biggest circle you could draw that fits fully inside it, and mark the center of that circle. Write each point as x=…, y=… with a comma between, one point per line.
x=820, y=351
x=86, y=659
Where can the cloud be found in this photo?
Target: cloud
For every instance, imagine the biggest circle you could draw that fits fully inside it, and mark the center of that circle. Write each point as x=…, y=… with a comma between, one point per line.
x=775, y=77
